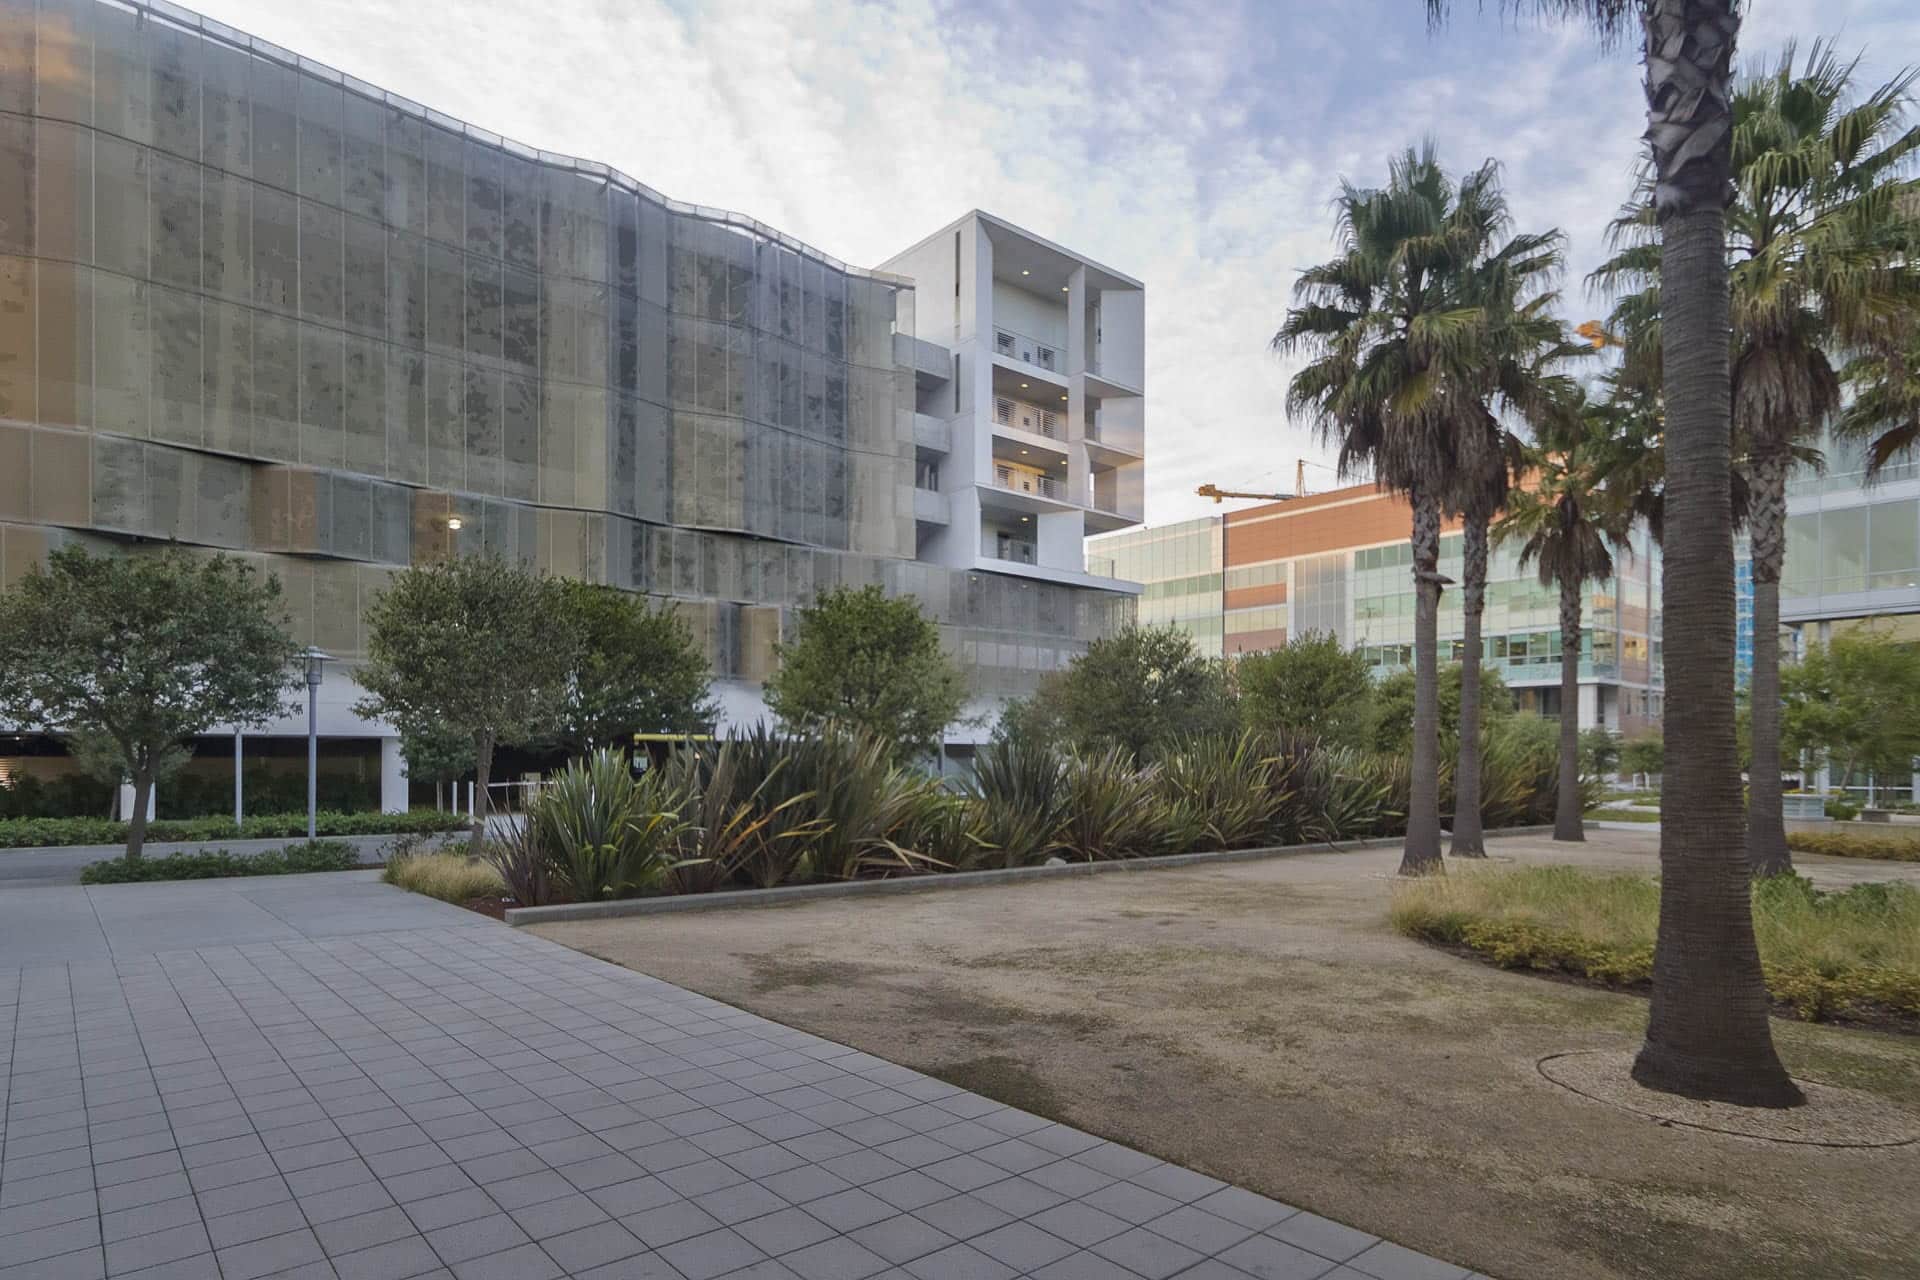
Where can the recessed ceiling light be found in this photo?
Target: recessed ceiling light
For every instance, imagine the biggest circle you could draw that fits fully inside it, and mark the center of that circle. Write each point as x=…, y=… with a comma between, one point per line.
x=1064, y=289
x=1024, y=519
x=453, y=522
x=1023, y=451
x=1023, y=386
x=1025, y=272
x=1063, y=397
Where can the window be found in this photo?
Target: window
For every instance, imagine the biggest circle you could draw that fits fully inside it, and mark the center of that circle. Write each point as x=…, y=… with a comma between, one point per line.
x=1843, y=550
x=1893, y=554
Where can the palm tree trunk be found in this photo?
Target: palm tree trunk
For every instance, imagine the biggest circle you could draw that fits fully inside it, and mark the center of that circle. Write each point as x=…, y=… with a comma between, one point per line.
x=1567, y=823
x=1707, y=1032
x=1767, y=853
x=1421, y=853
x=1468, y=839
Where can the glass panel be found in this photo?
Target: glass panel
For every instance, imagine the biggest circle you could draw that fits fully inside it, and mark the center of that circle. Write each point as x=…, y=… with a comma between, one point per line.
x=271, y=86
x=1843, y=550
x=175, y=67
x=16, y=179
x=1894, y=553
x=320, y=107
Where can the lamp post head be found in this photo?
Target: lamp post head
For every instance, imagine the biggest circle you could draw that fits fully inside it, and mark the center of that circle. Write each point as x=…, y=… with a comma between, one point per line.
x=316, y=660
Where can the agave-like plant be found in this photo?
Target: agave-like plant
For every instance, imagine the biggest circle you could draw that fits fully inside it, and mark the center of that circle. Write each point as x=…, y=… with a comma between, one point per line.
x=743, y=821
x=603, y=840
x=1115, y=808
x=1020, y=797
x=1227, y=782
x=524, y=862
x=1356, y=795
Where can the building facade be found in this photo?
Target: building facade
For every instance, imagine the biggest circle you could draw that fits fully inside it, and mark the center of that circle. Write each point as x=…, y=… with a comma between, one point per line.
x=250, y=304
x=1339, y=563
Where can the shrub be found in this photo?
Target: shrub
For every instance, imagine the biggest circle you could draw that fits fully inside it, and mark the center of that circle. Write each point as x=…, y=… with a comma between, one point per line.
x=1020, y=795
x=1229, y=782
x=1114, y=810
x=521, y=860
x=1842, y=954
x=18, y=833
x=1842, y=810
x=604, y=836
x=209, y=864
x=1848, y=844
x=450, y=877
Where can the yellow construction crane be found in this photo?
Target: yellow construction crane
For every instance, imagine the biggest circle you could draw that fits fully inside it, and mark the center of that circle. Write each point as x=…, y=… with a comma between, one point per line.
x=1218, y=494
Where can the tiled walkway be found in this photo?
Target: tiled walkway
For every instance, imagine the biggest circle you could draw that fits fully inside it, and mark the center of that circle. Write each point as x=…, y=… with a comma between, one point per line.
x=447, y=1097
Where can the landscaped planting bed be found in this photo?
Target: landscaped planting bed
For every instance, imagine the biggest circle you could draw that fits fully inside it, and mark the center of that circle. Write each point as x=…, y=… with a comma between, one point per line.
x=27, y=833
x=1851, y=844
x=298, y=858
x=762, y=811
x=1850, y=956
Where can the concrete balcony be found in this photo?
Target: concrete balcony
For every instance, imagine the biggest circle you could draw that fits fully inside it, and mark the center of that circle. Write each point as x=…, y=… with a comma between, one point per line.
x=935, y=435
x=930, y=507
x=932, y=364
x=1041, y=354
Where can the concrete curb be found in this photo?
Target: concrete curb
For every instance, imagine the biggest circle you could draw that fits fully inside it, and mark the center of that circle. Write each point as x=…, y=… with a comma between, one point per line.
x=792, y=894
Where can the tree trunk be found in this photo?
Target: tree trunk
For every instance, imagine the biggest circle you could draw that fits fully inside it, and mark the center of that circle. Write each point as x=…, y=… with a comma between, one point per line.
x=482, y=768
x=1468, y=839
x=137, y=820
x=1567, y=824
x=1767, y=853
x=1707, y=1031
x=1421, y=853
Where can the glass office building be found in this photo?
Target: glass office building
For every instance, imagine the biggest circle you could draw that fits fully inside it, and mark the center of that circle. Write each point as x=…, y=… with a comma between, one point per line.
x=251, y=304
x=1181, y=571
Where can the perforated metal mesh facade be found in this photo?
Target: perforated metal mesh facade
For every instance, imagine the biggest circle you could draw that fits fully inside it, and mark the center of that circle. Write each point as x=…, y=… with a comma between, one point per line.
x=249, y=303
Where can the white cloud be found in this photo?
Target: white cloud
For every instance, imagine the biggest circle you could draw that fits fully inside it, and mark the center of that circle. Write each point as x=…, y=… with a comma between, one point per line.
x=1193, y=145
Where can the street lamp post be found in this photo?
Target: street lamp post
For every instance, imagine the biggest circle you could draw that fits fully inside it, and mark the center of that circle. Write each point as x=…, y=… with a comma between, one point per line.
x=316, y=660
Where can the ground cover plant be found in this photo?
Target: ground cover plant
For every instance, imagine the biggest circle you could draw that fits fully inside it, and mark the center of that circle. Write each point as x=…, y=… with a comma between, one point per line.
x=297, y=858
x=28, y=833
x=1852, y=844
x=449, y=875
x=1849, y=955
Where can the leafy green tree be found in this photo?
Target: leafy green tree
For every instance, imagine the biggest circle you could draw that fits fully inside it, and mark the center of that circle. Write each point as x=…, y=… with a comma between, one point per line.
x=134, y=654
x=435, y=753
x=635, y=669
x=1822, y=232
x=1399, y=342
x=473, y=646
x=1140, y=689
x=1708, y=1034
x=1312, y=683
x=864, y=660
x=1645, y=752
x=1854, y=704
x=1566, y=530
x=1599, y=752
x=1390, y=729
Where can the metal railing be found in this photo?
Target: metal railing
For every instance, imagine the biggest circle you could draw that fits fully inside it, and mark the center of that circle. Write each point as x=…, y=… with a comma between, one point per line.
x=1027, y=482
x=1015, y=551
x=1021, y=416
x=1019, y=346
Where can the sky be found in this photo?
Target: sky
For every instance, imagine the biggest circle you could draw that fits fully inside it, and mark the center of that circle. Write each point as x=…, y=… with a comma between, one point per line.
x=1193, y=144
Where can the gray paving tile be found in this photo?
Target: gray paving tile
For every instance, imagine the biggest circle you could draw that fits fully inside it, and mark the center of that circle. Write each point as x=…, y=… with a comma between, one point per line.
x=266, y=1257
x=1323, y=1236
x=1268, y=1259
x=1147, y=1254
x=396, y=1260
x=1385, y=1261
x=959, y=1262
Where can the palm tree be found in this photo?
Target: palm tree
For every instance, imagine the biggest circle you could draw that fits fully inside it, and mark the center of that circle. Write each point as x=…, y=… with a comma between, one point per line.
x=1707, y=1031
x=1885, y=407
x=1527, y=342
x=1564, y=524
x=1396, y=343
x=1821, y=264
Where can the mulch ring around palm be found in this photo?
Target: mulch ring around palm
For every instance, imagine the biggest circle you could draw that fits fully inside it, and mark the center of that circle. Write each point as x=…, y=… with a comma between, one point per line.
x=1832, y=1116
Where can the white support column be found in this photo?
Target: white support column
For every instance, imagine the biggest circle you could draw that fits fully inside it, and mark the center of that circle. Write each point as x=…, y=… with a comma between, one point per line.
x=126, y=801
x=393, y=777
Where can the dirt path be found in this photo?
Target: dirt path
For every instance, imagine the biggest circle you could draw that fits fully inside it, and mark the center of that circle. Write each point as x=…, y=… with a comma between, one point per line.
x=1260, y=1023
